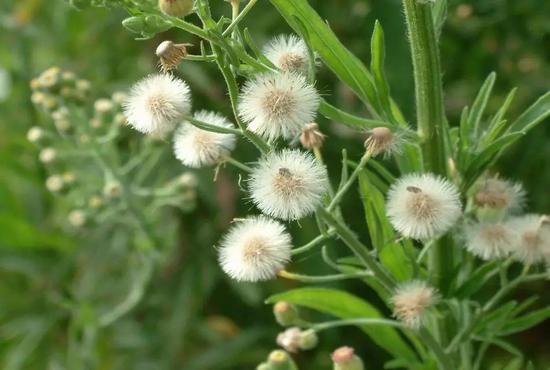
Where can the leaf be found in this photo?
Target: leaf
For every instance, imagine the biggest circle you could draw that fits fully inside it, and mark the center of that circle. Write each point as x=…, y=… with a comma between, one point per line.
x=338, y=115
x=497, y=126
x=392, y=255
x=525, y=322
x=346, y=306
x=534, y=115
x=480, y=103
x=333, y=53
x=378, y=54
x=477, y=280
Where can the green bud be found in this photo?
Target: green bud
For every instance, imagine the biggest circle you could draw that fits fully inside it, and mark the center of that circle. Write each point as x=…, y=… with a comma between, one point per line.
x=280, y=360
x=308, y=340
x=176, y=8
x=146, y=25
x=262, y=366
x=344, y=358
x=285, y=313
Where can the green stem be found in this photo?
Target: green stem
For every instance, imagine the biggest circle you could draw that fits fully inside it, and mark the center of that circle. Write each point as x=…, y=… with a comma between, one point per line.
x=355, y=322
x=345, y=187
x=360, y=250
x=429, y=109
x=213, y=128
x=238, y=164
x=313, y=243
x=239, y=18
x=323, y=278
x=442, y=358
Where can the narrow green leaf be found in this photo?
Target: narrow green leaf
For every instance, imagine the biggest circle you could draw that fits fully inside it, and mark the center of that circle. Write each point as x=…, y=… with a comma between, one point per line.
x=347, y=306
x=476, y=280
x=497, y=125
x=480, y=103
x=392, y=255
x=378, y=54
x=526, y=322
x=331, y=112
x=534, y=115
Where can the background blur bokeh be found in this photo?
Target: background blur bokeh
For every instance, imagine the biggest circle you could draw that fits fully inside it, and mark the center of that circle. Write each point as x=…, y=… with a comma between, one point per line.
x=191, y=317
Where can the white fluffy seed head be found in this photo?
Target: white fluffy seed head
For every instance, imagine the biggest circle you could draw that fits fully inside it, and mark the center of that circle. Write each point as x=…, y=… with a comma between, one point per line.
x=423, y=206
x=278, y=105
x=289, y=53
x=197, y=148
x=255, y=249
x=77, y=218
x=289, y=184
x=47, y=155
x=533, y=238
x=35, y=134
x=499, y=194
x=157, y=103
x=489, y=241
x=411, y=300
x=54, y=183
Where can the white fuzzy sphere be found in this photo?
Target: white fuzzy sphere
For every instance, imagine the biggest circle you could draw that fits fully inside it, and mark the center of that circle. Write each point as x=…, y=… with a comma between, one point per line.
x=289, y=184
x=423, y=206
x=157, y=103
x=489, y=241
x=499, y=194
x=278, y=105
x=411, y=300
x=289, y=53
x=197, y=148
x=533, y=238
x=255, y=249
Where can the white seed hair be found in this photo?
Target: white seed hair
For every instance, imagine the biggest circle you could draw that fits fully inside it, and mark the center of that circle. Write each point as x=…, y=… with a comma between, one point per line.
x=255, y=249
x=289, y=184
x=489, y=241
x=423, y=206
x=278, y=105
x=533, y=238
x=157, y=103
x=411, y=300
x=496, y=193
x=196, y=147
x=289, y=53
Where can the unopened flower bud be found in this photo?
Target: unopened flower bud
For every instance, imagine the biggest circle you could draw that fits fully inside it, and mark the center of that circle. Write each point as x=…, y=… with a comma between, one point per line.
x=62, y=125
x=83, y=86
x=280, y=360
x=47, y=155
x=69, y=177
x=95, y=202
x=176, y=8
x=112, y=189
x=170, y=54
x=289, y=339
x=263, y=366
x=344, y=358
x=308, y=340
x=103, y=106
x=119, y=97
x=312, y=137
x=285, y=313
x=35, y=134
x=381, y=140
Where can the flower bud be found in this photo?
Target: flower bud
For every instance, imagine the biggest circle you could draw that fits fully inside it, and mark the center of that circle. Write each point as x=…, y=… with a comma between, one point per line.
x=344, y=358
x=285, y=313
x=112, y=189
x=289, y=339
x=308, y=340
x=381, y=140
x=311, y=137
x=176, y=8
x=188, y=180
x=95, y=202
x=170, y=54
x=263, y=366
x=54, y=183
x=280, y=360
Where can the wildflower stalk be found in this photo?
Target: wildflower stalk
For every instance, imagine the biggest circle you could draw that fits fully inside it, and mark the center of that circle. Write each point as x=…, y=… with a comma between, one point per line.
x=238, y=164
x=313, y=243
x=323, y=278
x=355, y=322
x=441, y=357
x=237, y=19
x=360, y=250
x=345, y=187
x=429, y=107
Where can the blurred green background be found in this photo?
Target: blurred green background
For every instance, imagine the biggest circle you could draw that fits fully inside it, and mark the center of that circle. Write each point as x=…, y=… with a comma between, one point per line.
x=191, y=317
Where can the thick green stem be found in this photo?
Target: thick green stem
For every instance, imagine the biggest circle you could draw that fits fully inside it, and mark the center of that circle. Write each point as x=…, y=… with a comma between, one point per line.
x=429, y=109
x=358, y=248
